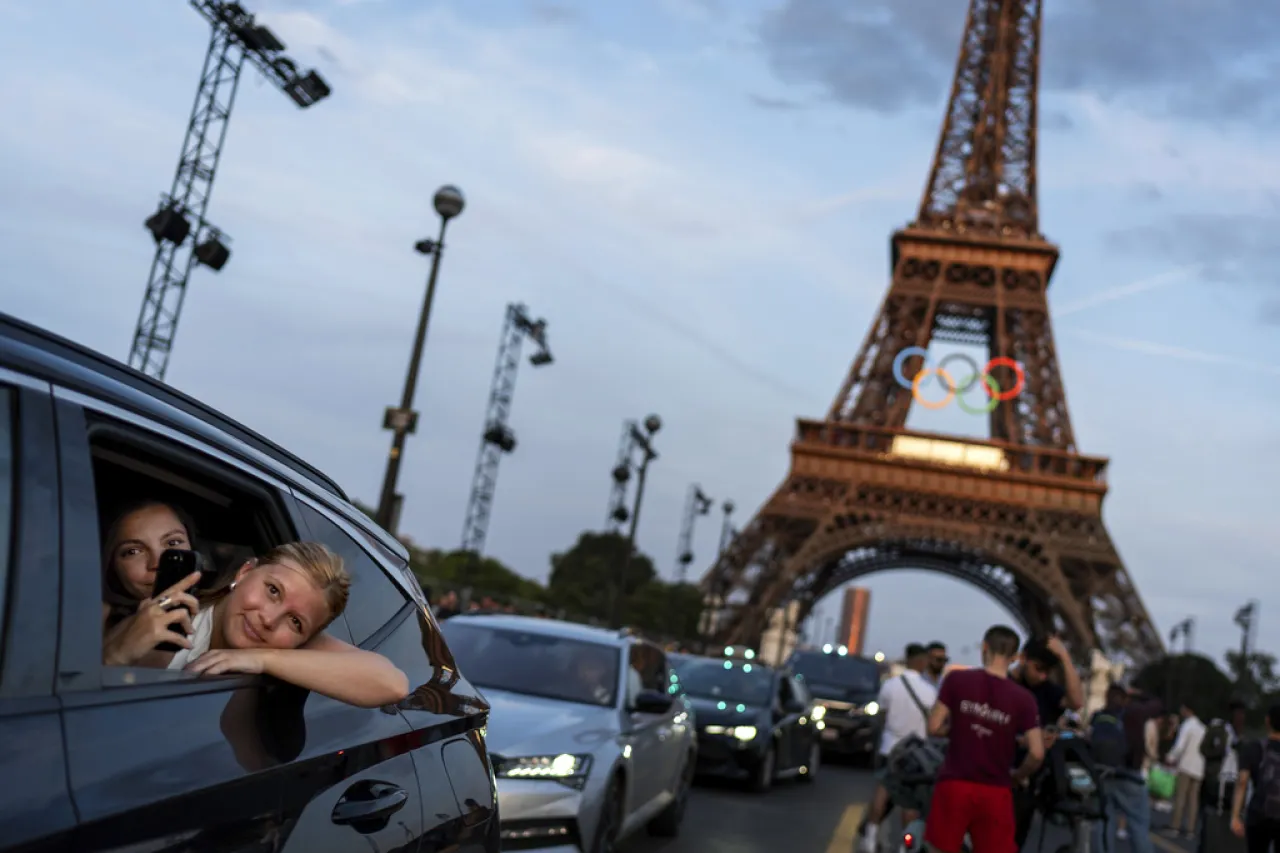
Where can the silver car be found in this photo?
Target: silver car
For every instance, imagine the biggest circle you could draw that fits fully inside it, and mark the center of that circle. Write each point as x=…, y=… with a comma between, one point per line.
x=588, y=735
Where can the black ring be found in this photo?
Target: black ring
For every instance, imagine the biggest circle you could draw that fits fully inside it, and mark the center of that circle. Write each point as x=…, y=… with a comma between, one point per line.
x=974, y=375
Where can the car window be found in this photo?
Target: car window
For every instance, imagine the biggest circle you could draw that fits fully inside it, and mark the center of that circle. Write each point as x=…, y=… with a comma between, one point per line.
x=219, y=514
x=6, y=499
x=799, y=691
x=374, y=598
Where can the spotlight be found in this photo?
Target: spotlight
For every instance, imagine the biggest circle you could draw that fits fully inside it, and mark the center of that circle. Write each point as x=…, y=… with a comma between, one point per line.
x=169, y=223
x=213, y=253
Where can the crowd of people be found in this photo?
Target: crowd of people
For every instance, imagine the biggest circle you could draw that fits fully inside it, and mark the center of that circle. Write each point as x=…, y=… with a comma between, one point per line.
x=1003, y=733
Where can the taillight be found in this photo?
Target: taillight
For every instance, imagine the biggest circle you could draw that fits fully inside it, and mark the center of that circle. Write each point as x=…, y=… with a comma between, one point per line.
x=908, y=840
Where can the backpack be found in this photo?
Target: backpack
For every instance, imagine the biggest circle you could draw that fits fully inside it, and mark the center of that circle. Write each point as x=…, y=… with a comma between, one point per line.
x=1109, y=742
x=1216, y=742
x=1266, y=788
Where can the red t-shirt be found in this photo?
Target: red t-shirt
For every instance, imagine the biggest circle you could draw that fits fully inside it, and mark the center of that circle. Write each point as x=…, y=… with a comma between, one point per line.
x=987, y=715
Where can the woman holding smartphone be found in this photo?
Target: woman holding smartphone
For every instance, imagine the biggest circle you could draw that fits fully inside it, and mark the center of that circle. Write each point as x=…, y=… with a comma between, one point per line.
x=269, y=620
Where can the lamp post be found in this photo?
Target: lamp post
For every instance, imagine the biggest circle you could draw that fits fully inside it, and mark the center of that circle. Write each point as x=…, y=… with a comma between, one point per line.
x=402, y=421
x=644, y=442
x=726, y=529
x=1244, y=619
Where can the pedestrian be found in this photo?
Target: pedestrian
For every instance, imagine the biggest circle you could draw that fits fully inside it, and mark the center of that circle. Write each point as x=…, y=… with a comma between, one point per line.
x=904, y=702
x=938, y=661
x=985, y=713
x=1117, y=744
x=1259, y=825
x=1039, y=663
x=1187, y=761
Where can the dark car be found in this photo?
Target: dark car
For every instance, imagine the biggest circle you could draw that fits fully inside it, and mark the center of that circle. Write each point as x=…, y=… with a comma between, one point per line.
x=846, y=687
x=98, y=757
x=754, y=722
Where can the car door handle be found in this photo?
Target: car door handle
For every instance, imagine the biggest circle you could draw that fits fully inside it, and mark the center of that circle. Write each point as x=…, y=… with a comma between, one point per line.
x=368, y=801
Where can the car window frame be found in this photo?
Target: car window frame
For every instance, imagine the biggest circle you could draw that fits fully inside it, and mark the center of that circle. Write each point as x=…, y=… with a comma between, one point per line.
x=362, y=541
x=81, y=677
x=27, y=667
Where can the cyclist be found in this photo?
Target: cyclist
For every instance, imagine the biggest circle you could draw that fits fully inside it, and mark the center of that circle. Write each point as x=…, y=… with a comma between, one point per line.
x=904, y=702
x=985, y=713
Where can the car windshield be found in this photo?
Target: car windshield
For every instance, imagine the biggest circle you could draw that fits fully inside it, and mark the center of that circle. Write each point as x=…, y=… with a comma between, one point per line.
x=838, y=674
x=730, y=681
x=534, y=663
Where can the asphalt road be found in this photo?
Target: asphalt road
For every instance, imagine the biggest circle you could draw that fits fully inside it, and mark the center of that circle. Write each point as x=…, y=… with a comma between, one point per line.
x=821, y=817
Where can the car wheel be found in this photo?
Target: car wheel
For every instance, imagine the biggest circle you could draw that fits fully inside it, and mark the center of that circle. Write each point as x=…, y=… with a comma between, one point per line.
x=667, y=823
x=815, y=761
x=610, y=824
x=763, y=779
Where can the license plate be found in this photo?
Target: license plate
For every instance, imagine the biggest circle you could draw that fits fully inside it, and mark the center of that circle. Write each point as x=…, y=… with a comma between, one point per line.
x=830, y=734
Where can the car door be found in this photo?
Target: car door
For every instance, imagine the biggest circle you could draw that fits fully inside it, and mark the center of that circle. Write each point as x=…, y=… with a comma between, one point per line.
x=805, y=732
x=160, y=759
x=646, y=734
x=35, y=805
x=442, y=716
x=785, y=720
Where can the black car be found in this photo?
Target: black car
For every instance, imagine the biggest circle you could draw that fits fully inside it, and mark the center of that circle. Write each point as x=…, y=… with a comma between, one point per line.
x=98, y=757
x=846, y=686
x=754, y=721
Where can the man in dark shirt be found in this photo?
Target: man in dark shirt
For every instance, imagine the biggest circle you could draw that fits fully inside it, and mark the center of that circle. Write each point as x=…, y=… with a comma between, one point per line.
x=1260, y=764
x=1037, y=662
x=985, y=713
x=1124, y=717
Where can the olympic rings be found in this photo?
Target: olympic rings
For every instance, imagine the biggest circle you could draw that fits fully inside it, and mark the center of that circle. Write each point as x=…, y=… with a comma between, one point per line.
x=995, y=395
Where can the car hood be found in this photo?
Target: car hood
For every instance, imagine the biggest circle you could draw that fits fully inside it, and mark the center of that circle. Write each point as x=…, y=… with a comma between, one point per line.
x=707, y=712
x=532, y=725
x=834, y=693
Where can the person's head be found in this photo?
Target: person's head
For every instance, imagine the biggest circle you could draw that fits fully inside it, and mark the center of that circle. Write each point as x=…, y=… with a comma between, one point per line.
x=1037, y=662
x=916, y=657
x=1273, y=720
x=1117, y=697
x=284, y=598
x=999, y=645
x=1186, y=712
x=1236, y=713
x=937, y=657
x=134, y=542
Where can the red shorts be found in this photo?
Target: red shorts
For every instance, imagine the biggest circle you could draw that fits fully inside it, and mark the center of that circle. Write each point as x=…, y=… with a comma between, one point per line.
x=983, y=812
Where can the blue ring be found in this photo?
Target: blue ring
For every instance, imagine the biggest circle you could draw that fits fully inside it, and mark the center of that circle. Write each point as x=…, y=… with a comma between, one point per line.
x=901, y=358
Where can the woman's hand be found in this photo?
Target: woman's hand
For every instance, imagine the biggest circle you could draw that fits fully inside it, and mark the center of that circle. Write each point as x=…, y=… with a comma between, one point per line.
x=1237, y=827
x=224, y=661
x=149, y=626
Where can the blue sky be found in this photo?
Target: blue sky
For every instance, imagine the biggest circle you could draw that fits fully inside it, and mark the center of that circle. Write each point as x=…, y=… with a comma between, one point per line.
x=697, y=195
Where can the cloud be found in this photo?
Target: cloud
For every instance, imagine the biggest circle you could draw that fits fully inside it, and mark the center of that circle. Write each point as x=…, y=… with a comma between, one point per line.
x=1186, y=58
x=765, y=102
x=554, y=13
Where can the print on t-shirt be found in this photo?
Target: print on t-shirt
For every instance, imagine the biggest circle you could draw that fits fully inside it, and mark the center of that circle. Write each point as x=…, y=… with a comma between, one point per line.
x=988, y=713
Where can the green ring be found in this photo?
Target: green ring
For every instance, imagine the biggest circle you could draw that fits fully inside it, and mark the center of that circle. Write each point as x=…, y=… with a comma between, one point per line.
x=993, y=399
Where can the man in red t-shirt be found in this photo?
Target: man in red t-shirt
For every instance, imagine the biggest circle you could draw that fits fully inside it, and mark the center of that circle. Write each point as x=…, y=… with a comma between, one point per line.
x=985, y=714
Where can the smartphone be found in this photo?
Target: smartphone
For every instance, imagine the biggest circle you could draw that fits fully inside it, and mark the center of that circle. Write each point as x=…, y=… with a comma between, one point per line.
x=174, y=566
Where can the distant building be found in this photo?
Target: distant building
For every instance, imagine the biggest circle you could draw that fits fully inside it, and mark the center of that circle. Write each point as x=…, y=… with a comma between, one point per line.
x=853, y=619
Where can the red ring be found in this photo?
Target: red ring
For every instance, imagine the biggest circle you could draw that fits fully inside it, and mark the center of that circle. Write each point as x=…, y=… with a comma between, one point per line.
x=1005, y=361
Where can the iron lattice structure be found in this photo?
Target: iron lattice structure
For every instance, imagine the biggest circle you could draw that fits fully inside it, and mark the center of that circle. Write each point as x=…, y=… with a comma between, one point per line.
x=1019, y=515
x=498, y=438
x=696, y=504
x=234, y=40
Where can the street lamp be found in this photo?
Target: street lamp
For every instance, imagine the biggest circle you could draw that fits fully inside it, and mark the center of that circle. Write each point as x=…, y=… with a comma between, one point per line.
x=644, y=442
x=403, y=421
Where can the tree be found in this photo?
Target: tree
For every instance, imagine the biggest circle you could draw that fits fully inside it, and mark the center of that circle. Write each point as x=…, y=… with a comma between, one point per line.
x=1257, y=676
x=583, y=577
x=485, y=576
x=668, y=610
x=1191, y=679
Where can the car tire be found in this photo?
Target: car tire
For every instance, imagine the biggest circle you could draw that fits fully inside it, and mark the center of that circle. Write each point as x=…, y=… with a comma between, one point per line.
x=762, y=778
x=610, y=823
x=814, y=763
x=667, y=823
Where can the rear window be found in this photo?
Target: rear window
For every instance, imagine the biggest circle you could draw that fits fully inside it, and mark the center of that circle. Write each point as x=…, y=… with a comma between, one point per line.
x=832, y=674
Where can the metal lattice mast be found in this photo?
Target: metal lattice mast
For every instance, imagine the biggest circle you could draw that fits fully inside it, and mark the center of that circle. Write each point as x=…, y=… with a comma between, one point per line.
x=618, y=512
x=498, y=438
x=696, y=504
x=183, y=234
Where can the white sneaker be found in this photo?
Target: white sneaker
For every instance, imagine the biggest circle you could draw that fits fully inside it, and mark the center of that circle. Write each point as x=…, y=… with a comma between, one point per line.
x=870, y=840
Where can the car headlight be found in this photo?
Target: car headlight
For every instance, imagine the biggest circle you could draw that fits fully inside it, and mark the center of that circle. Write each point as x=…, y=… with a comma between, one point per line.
x=569, y=769
x=872, y=708
x=739, y=732
x=819, y=711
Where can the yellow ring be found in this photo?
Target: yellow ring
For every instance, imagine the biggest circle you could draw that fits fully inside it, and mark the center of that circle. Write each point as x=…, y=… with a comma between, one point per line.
x=921, y=376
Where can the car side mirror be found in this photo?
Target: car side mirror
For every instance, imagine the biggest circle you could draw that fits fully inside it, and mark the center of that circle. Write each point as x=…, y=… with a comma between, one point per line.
x=653, y=702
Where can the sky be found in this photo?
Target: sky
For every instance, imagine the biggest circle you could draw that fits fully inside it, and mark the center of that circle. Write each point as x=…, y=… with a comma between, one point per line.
x=697, y=195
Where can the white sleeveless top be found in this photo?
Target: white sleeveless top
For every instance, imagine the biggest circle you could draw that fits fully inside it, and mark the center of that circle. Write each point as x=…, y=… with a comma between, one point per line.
x=201, y=635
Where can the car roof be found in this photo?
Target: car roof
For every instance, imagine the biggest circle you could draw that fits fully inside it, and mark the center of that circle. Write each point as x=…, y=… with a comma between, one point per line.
x=549, y=627
x=39, y=352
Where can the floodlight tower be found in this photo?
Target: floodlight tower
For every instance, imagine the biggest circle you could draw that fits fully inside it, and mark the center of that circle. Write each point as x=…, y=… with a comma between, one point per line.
x=234, y=39
x=695, y=505
x=498, y=438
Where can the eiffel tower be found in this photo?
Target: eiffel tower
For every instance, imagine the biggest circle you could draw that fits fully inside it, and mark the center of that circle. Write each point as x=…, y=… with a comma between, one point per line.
x=1018, y=516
